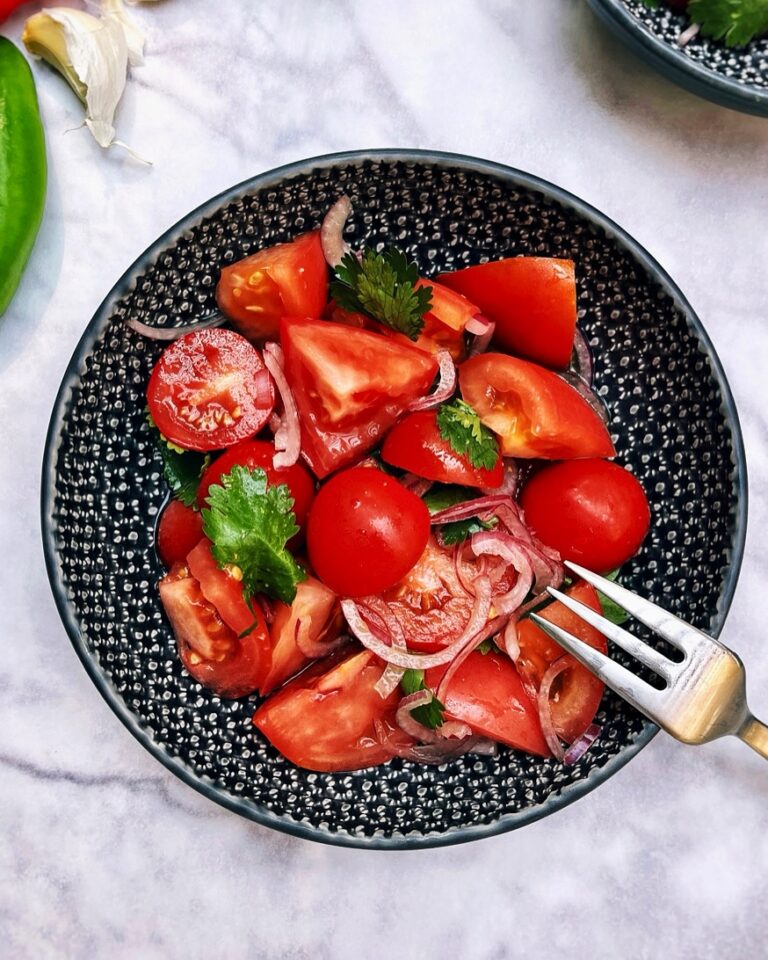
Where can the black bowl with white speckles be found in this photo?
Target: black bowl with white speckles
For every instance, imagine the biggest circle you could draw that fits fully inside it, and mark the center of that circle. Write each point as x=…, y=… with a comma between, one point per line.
x=735, y=77
x=673, y=419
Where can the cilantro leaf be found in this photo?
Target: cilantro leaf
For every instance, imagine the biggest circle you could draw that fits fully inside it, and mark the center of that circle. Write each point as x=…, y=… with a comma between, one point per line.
x=182, y=469
x=249, y=524
x=383, y=285
x=459, y=530
x=735, y=21
x=612, y=611
x=442, y=496
x=486, y=646
x=460, y=426
x=431, y=714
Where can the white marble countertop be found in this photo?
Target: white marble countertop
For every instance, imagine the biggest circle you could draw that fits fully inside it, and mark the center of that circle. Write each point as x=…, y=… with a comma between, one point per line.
x=103, y=852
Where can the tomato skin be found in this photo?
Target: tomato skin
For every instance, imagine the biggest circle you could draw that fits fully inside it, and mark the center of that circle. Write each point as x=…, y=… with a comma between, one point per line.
x=211, y=652
x=288, y=279
x=313, y=601
x=534, y=412
x=486, y=692
x=259, y=453
x=350, y=385
x=178, y=531
x=415, y=444
x=532, y=301
x=324, y=718
x=576, y=693
x=449, y=307
x=591, y=511
x=210, y=389
x=365, y=531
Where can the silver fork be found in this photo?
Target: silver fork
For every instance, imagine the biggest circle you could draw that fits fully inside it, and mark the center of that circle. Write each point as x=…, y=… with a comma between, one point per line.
x=705, y=693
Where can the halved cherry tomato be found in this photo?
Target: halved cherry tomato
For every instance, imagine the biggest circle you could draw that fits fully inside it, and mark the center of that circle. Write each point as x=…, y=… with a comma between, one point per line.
x=532, y=301
x=259, y=453
x=315, y=608
x=289, y=279
x=210, y=389
x=230, y=666
x=416, y=444
x=487, y=693
x=591, y=511
x=365, y=531
x=534, y=412
x=178, y=530
x=350, y=386
x=576, y=693
x=324, y=719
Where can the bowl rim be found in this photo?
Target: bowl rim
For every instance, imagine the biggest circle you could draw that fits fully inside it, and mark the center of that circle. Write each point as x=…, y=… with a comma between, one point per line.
x=674, y=64
x=247, y=807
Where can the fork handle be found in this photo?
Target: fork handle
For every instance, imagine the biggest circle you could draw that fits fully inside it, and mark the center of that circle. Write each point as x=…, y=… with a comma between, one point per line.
x=755, y=734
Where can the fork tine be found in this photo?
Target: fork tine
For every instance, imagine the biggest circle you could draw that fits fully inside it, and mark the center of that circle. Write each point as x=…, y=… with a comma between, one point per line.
x=640, y=694
x=666, y=625
x=633, y=645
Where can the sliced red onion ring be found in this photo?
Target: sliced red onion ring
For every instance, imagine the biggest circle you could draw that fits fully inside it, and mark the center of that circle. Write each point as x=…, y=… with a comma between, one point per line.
x=417, y=485
x=509, y=639
x=445, y=385
x=544, y=705
x=581, y=744
x=288, y=434
x=470, y=508
x=466, y=582
x=314, y=649
x=265, y=605
x=392, y=675
x=405, y=720
x=509, y=483
x=274, y=422
x=481, y=342
x=478, y=325
x=332, y=229
x=688, y=34
x=495, y=543
x=583, y=357
x=455, y=729
x=173, y=333
x=437, y=753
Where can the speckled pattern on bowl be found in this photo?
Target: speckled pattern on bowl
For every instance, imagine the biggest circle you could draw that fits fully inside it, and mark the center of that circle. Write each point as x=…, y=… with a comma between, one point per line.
x=733, y=77
x=672, y=416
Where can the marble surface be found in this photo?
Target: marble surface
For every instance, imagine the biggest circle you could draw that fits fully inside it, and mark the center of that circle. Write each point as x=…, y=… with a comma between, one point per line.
x=104, y=853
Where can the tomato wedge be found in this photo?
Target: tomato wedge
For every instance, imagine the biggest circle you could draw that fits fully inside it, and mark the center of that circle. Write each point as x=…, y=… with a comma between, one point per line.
x=487, y=693
x=289, y=279
x=532, y=301
x=576, y=693
x=210, y=651
x=314, y=607
x=259, y=453
x=416, y=444
x=220, y=587
x=178, y=530
x=324, y=719
x=534, y=412
x=350, y=386
x=210, y=389
x=449, y=307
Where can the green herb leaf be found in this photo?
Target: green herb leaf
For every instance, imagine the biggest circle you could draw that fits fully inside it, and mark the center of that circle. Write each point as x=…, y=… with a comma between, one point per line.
x=383, y=285
x=459, y=530
x=440, y=497
x=249, y=524
x=735, y=21
x=182, y=469
x=431, y=714
x=486, y=646
x=460, y=426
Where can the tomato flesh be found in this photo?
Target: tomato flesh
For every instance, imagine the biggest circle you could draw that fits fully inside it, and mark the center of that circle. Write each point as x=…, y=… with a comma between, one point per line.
x=289, y=279
x=210, y=389
x=315, y=606
x=576, y=693
x=365, y=531
x=210, y=651
x=533, y=411
x=325, y=718
x=591, y=511
x=350, y=385
x=486, y=692
x=222, y=588
x=178, y=530
x=415, y=444
x=532, y=301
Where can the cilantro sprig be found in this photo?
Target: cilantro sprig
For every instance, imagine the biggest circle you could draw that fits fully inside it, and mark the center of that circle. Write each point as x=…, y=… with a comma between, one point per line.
x=383, y=286
x=182, y=469
x=460, y=426
x=431, y=714
x=249, y=523
x=440, y=497
x=737, y=22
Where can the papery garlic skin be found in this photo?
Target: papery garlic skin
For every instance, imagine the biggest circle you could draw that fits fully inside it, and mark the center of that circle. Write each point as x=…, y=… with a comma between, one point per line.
x=134, y=36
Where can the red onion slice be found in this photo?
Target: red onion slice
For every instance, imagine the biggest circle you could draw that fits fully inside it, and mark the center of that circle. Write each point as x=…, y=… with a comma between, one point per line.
x=332, y=229
x=494, y=543
x=436, y=754
x=417, y=485
x=544, y=705
x=392, y=675
x=445, y=385
x=288, y=434
x=588, y=394
x=478, y=325
x=265, y=605
x=583, y=357
x=314, y=649
x=581, y=744
x=690, y=33
x=481, y=342
x=173, y=333
x=470, y=508
x=405, y=720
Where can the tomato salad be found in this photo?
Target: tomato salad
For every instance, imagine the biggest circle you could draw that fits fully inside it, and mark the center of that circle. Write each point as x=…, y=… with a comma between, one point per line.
x=374, y=478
